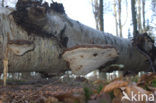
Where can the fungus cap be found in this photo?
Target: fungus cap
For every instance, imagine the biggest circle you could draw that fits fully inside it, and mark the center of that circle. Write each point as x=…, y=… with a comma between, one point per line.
x=83, y=59
x=19, y=47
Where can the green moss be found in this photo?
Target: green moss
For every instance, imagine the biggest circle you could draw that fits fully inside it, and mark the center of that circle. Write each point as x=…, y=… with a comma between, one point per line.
x=146, y=87
x=153, y=83
x=88, y=92
x=111, y=95
x=103, y=101
x=135, y=79
x=76, y=101
x=99, y=88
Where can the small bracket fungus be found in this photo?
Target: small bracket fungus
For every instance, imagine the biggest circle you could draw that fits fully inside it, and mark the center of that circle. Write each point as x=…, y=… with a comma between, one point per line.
x=19, y=47
x=83, y=59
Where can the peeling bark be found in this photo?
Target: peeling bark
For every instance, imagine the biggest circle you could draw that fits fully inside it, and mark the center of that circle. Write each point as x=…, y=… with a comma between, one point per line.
x=44, y=57
x=64, y=33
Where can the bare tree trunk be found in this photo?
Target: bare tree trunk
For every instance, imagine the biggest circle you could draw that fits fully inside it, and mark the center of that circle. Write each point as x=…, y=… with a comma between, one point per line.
x=143, y=13
x=120, y=25
x=96, y=12
x=101, y=16
x=2, y=3
x=115, y=16
x=139, y=17
x=133, y=9
x=59, y=32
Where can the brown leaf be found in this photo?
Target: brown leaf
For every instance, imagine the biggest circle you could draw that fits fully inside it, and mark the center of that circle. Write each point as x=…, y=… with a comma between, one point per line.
x=136, y=90
x=118, y=93
x=147, y=78
x=97, y=82
x=113, y=85
x=153, y=89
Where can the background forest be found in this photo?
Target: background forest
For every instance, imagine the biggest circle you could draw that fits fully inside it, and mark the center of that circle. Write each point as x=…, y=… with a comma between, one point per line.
x=105, y=14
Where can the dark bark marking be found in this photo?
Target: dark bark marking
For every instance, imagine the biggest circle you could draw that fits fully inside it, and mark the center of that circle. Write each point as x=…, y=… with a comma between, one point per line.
x=95, y=54
x=79, y=68
x=20, y=42
x=38, y=10
x=58, y=7
x=80, y=26
x=141, y=42
x=81, y=56
x=63, y=38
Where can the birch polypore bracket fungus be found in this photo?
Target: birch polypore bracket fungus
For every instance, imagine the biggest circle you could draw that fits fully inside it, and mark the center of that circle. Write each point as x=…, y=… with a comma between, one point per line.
x=20, y=47
x=83, y=59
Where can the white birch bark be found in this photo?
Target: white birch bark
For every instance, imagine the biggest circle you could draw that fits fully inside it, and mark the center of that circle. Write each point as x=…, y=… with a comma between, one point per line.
x=46, y=55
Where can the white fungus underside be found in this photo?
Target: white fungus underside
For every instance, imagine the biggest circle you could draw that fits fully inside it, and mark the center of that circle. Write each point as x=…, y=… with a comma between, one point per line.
x=83, y=60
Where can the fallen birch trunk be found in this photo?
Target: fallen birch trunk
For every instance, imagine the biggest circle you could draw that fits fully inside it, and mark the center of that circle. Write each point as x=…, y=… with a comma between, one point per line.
x=52, y=32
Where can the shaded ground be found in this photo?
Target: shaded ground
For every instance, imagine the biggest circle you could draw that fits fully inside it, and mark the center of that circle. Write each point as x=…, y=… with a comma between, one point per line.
x=43, y=91
x=77, y=90
x=48, y=93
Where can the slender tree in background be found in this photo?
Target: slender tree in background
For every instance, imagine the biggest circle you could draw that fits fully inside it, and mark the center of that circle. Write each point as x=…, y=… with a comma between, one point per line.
x=143, y=14
x=2, y=3
x=139, y=17
x=119, y=13
x=101, y=16
x=154, y=9
x=98, y=14
x=129, y=34
x=134, y=20
x=153, y=5
x=153, y=20
x=115, y=16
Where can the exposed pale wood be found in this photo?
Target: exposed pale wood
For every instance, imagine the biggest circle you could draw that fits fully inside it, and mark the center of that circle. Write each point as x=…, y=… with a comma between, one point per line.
x=5, y=71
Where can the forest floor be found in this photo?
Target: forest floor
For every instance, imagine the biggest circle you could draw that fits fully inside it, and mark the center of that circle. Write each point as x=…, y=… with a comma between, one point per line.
x=52, y=90
x=78, y=90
